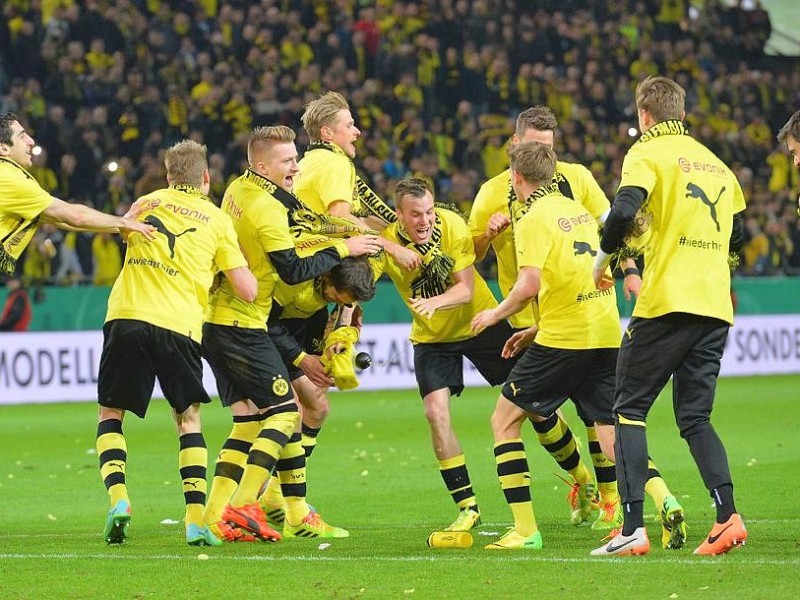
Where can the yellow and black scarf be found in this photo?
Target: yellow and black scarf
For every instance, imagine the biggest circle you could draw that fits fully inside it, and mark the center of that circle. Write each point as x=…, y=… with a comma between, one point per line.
x=304, y=221
x=371, y=203
x=434, y=277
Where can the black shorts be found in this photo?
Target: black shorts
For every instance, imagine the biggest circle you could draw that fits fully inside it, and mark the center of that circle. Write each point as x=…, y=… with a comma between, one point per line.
x=544, y=378
x=441, y=365
x=135, y=353
x=688, y=348
x=246, y=365
x=310, y=334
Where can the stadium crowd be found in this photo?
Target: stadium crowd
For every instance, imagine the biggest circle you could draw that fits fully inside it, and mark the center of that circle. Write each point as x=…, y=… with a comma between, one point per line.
x=435, y=87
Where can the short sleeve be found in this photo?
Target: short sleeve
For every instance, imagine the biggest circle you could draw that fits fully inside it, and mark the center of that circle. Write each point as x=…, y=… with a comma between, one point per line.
x=229, y=255
x=533, y=240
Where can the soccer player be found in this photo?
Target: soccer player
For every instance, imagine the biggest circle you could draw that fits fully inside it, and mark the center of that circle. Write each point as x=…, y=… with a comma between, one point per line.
x=153, y=330
x=683, y=314
x=491, y=220
x=443, y=295
x=297, y=326
x=572, y=348
x=330, y=184
x=24, y=203
x=790, y=135
x=251, y=377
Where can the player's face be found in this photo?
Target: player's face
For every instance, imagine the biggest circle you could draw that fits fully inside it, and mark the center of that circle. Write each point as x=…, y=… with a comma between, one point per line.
x=331, y=294
x=280, y=165
x=344, y=133
x=535, y=135
x=793, y=145
x=417, y=217
x=20, y=148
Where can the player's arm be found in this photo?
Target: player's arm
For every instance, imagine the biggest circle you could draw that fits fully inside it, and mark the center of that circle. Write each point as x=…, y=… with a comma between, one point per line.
x=83, y=218
x=457, y=294
x=526, y=287
x=497, y=223
x=243, y=282
x=626, y=203
x=294, y=269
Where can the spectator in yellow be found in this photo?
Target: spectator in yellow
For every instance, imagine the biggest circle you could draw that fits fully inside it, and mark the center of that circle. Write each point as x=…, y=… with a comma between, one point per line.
x=107, y=258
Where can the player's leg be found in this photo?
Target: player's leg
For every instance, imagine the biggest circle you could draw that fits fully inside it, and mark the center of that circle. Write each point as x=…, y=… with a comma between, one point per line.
x=514, y=476
x=553, y=432
x=125, y=383
x=180, y=372
x=647, y=357
x=439, y=371
x=252, y=366
x=694, y=388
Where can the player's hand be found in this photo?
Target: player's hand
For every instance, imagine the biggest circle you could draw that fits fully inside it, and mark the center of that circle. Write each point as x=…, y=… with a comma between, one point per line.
x=128, y=226
x=312, y=366
x=141, y=206
x=425, y=307
x=405, y=258
x=519, y=341
x=498, y=223
x=602, y=280
x=363, y=245
x=632, y=286
x=485, y=318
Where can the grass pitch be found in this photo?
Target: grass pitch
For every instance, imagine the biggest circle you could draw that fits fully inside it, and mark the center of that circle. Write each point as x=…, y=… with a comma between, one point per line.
x=374, y=473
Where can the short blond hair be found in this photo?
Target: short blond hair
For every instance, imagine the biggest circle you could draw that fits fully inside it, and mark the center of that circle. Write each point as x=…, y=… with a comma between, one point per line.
x=322, y=112
x=661, y=97
x=536, y=162
x=186, y=162
x=263, y=138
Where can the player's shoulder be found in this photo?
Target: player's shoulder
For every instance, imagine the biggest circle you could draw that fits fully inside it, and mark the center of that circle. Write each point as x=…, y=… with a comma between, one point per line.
x=496, y=185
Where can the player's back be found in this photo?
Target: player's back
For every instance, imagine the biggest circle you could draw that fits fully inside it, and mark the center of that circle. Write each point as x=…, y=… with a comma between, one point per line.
x=166, y=281
x=692, y=198
x=559, y=237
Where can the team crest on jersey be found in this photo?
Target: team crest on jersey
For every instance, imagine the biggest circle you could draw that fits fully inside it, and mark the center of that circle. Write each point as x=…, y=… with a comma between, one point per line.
x=280, y=387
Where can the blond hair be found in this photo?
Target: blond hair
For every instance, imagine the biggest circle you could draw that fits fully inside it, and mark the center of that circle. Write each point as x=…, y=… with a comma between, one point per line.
x=536, y=162
x=661, y=97
x=186, y=162
x=322, y=112
x=540, y=118
x=263, y=138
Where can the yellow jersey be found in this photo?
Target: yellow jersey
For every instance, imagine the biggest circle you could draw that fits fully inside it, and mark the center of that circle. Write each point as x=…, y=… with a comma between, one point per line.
x=261, y=222
x=559, y=237
x=166, y=281
x=22, y=200
x=496, y=195
x=691, y=199
x=327, y=175
x=449, y=251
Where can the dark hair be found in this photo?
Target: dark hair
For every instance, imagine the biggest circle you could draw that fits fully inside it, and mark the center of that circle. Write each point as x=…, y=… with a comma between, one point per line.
x=791, y=128
x=6, y=119
x=540, y=118
x=354, y=276
x=411, y=186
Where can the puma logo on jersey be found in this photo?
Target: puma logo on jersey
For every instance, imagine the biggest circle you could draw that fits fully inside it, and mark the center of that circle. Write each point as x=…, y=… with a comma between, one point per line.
x=514, y=388
x=171, y=237
x=695, y=191
x=583, y=248
x=629, y=333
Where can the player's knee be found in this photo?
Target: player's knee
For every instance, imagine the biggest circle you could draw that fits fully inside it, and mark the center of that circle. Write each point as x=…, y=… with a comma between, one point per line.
x=692, y=427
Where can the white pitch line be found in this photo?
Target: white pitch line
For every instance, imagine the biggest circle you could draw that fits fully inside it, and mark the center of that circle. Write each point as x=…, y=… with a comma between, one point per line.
x=526, y=557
